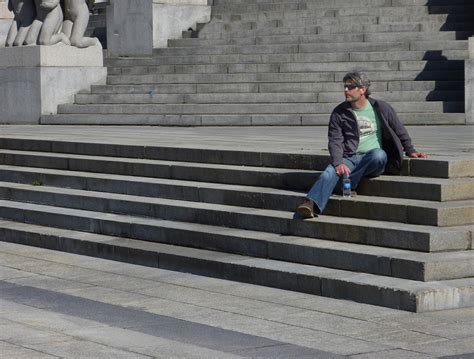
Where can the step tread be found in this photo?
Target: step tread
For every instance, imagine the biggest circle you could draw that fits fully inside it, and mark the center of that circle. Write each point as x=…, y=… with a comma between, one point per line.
x=174, y=257
x=237, y=167
x=262, y=213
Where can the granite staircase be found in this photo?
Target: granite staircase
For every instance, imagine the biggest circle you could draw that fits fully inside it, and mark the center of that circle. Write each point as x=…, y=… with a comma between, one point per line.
x=404, y=242
x=281, y=62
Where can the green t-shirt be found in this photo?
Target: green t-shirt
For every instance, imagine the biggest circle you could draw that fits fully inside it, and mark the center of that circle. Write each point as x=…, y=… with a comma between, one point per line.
x=370, y=133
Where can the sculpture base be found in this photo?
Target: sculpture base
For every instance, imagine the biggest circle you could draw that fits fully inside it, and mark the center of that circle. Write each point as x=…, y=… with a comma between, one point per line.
x=34, y=80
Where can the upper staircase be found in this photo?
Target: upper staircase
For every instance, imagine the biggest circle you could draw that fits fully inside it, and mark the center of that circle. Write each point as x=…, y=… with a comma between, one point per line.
x=281, y=62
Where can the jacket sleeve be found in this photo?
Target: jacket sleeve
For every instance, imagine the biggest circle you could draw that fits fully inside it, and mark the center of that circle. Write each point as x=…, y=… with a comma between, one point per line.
x=400, y=130
x=335, y=140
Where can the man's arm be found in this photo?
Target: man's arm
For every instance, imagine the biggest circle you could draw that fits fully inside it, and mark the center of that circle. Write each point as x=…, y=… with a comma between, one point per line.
x=403, y=135
x=335, y=139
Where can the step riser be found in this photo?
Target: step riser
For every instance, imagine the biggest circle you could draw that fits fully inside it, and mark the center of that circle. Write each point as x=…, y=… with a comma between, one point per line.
x=450, y=65
x=225, y=31
x=322, y=38
x=425, y=119
x=452, y=55
x=303, y=77
x=257, y=98
x=376, y=87
x=315, y=162
x=396, y=266
x=401, y=213
x=335, y=288
x=353, y=233
x=259, y=108
x=295, y=253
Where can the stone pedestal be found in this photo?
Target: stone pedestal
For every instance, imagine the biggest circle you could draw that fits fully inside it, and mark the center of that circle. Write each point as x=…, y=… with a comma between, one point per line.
x=469, y=87
x=130, y=28
x=5, y=21
x=172, y=17
x=34, y=80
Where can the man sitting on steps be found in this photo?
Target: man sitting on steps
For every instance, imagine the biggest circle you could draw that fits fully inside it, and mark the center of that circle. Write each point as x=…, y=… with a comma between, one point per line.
x=364, y=135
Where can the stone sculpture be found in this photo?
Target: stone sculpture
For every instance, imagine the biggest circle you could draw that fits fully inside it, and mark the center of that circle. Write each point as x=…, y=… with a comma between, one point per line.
x=45, y=29
x=75, y=23
x=41, y=22
x=24, y=14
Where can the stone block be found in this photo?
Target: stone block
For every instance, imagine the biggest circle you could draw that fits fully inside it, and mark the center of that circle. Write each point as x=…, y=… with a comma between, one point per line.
x=130, y=28
x=44, y=77
x=469, y=89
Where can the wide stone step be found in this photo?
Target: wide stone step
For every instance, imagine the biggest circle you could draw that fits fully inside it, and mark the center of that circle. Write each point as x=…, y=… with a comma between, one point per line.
x=384, y=14
x=246, y=108
x=442, y=65
x=312, y=251
x=445, y=22
x=314, y=48
x=377, y=87
x=426, y=189
x=291, y=97
x=428, y=119
x=322, y=38
x=430, y=213
x=220, y=30
x=356, y=2
x=363, y=231
x=272, y=77
x=434, y=166
x=126, y=62
x=384, y=291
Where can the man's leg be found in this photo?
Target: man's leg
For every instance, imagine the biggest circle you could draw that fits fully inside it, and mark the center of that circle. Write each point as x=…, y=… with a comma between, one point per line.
x=371, y=164
x=319, y=194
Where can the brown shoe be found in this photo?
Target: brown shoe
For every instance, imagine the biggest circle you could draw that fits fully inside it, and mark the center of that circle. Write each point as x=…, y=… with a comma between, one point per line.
x=306, y=209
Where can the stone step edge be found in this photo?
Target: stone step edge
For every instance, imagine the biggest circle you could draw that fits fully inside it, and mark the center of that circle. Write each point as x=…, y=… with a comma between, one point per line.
x=319, y=163
x=249, y=120
x=436, y=167
x=369, y=232
x=267, y=197
x=388, y=262
x=393, y=293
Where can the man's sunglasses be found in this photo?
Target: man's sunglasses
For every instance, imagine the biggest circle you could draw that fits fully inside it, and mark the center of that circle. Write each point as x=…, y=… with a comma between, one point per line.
x=350, y=86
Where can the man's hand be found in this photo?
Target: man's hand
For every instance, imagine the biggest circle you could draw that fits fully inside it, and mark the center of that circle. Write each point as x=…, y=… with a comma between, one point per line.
x=418, y=155
x=343, y=170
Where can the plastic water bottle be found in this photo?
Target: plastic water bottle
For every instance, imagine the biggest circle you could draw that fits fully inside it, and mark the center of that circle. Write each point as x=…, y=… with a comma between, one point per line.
x=346, y=187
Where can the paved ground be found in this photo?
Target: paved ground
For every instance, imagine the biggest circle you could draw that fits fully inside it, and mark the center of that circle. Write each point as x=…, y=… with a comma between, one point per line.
x=56, y=304
x=439, y=140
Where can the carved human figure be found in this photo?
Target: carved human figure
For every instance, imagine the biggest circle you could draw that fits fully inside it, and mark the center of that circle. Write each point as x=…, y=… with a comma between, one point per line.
x=47, y=25
x=76, y=18
x=24, y=14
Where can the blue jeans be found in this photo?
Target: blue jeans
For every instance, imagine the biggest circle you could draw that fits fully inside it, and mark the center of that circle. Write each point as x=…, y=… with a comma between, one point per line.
x=370, y=164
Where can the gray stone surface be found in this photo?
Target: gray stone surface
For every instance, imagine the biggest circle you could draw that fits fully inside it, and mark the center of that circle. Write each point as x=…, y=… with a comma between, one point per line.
x=130, y=28
x=171, y=18
x=202, y=307
x=46, y=76
x=469, y=90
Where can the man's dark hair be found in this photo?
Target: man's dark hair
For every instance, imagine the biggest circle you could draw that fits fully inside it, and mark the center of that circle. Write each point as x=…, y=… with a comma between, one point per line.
x=360, y=80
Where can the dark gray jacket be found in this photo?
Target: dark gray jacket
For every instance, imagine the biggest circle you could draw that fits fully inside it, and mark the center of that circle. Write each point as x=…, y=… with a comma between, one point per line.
x=343, y=133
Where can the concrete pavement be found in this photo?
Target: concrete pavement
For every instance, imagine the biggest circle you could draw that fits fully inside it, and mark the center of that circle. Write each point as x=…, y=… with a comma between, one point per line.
x=55, y=304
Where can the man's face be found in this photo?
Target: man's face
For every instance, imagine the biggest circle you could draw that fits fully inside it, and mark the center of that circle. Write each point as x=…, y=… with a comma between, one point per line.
x=352, y=92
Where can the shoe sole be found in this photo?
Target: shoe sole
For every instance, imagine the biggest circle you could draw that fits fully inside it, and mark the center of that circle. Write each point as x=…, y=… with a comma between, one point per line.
x=305, y=212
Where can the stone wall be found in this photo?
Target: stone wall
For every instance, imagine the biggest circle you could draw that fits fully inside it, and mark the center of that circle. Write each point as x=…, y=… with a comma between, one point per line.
x=172, y=17
x=469, y=88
